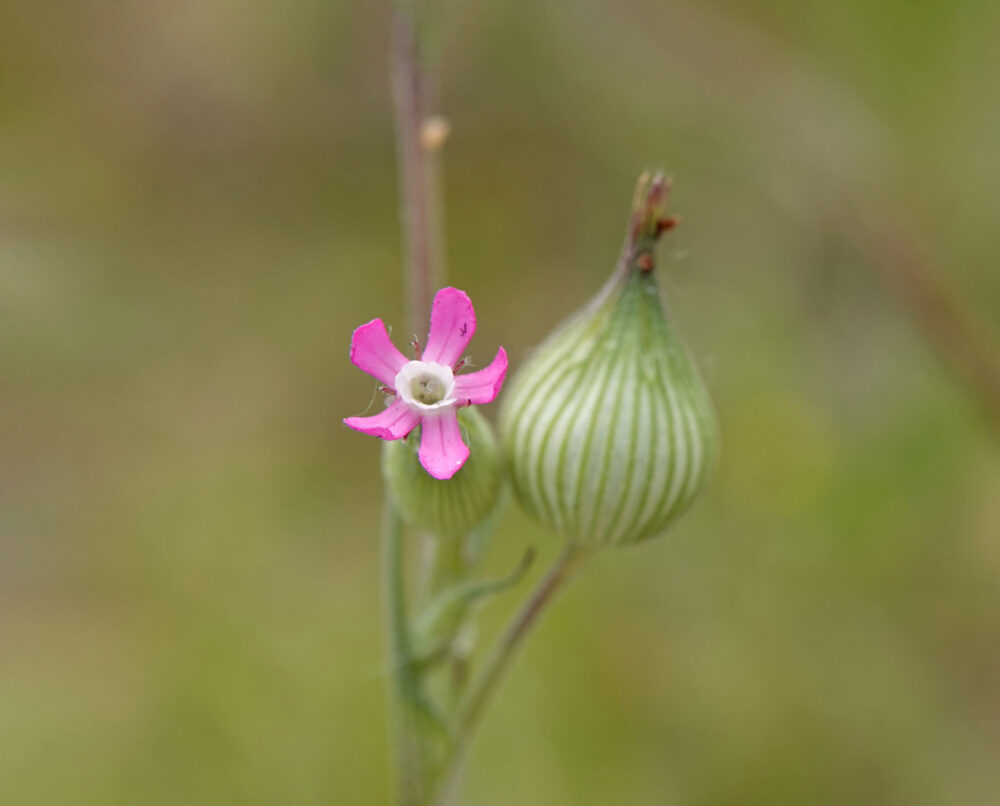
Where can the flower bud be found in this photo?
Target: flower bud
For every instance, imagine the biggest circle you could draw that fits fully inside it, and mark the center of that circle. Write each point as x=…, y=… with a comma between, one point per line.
x=447, y=507
x=608, y=428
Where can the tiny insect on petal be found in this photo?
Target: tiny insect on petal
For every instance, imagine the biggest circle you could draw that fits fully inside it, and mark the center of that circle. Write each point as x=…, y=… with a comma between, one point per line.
x=453, y=322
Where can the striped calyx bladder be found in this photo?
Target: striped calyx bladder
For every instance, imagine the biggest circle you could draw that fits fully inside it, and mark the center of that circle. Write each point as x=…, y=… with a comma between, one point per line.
x=608, y=428
x=451, y=507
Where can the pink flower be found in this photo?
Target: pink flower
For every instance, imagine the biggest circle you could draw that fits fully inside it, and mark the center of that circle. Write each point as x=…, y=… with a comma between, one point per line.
x=428, y=392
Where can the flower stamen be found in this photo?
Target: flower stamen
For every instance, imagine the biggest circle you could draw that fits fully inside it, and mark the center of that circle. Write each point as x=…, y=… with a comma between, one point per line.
x=427, y=389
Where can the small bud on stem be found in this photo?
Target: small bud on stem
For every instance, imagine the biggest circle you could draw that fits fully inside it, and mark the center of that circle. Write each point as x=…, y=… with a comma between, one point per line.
x=434, y=133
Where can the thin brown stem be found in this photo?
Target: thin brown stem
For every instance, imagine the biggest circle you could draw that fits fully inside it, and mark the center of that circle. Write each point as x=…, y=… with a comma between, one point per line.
x=943, y=321
x=414, y=92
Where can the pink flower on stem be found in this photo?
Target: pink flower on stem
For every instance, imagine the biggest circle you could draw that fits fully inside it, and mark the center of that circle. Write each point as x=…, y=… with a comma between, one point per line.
x=428, y=392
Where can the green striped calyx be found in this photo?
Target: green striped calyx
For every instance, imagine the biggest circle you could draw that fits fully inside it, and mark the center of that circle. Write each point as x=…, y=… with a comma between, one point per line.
x=608, y=428
x=450, y=507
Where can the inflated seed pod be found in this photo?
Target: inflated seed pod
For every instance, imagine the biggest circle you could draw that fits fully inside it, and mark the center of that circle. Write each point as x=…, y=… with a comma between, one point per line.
x=608, y=429
x=451, y=507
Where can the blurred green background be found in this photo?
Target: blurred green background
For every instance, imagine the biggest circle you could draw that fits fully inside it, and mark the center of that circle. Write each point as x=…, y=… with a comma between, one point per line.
x=198, y=205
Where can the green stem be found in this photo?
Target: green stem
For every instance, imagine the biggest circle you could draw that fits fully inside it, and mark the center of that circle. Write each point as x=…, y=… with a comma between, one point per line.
x=409, y=785
x=421, y=744
x=488, y=683
x=514, y=635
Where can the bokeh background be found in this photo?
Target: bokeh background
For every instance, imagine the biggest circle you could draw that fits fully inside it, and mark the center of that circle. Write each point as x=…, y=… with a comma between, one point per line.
x=198, y=205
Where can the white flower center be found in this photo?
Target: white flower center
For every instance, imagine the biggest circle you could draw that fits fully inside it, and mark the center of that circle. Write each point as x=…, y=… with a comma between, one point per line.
x=426, y=385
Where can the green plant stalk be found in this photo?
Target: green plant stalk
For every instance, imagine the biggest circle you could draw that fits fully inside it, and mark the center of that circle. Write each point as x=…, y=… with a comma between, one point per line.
x=420, y=743
x=403, y=691
x=428, y=752
x=488, y=683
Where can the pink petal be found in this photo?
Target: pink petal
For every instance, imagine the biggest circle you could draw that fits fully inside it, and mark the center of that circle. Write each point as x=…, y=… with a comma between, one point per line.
x=484, y=385
x=453, y=321
x=395, y=422
x=442, y=452
x=372, y=352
